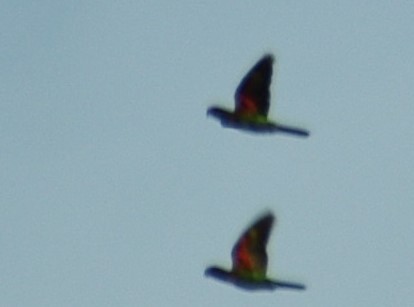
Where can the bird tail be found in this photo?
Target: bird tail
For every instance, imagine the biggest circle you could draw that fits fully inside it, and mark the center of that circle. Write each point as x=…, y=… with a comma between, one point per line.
x=289, y=285
x=292, y=130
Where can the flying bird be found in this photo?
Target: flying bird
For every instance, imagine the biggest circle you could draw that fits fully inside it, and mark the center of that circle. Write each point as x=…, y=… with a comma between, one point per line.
x=252, y=99
x=250, y=260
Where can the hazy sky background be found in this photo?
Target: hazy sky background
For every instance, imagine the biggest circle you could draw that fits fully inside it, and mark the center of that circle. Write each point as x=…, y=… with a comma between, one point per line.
x=117, y=190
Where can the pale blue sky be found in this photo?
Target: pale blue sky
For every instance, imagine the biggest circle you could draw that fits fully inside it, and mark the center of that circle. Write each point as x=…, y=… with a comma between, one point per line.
x=116, y=190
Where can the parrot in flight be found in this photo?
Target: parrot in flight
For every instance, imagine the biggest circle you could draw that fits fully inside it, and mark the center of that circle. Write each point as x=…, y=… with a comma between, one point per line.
x=250, y=260
x=252, y=99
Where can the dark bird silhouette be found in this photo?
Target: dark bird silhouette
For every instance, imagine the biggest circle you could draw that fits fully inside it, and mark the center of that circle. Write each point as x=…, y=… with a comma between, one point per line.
x=252, y=99
x=250, y=260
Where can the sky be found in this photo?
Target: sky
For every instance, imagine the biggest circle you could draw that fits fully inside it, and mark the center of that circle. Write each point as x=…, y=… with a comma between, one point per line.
x=117, y=190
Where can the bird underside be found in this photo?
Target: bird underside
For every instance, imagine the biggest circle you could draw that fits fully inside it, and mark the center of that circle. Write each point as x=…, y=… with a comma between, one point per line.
x=263, y=127
x=267, y=284
x=251, y=284
x=251, y=126
x=257, y=123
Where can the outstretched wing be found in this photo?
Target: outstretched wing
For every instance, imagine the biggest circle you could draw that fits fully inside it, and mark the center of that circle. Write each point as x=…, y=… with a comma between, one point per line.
x=253, y=93
x=249, y=254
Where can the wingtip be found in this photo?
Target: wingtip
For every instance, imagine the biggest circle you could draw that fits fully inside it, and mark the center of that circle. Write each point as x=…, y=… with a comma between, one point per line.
x=269, y=56
x=268, y=214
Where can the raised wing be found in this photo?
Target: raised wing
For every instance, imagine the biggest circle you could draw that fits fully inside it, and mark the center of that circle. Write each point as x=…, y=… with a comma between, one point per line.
x=253, y=93
x=249, y=254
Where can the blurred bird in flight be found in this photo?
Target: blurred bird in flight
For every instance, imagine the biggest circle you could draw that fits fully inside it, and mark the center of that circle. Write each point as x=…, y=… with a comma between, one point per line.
x=252, y=99
x=250, y=260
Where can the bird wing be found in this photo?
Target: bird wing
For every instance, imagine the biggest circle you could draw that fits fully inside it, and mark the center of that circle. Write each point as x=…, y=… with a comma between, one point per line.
x=253, y=93
x=249, y=253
